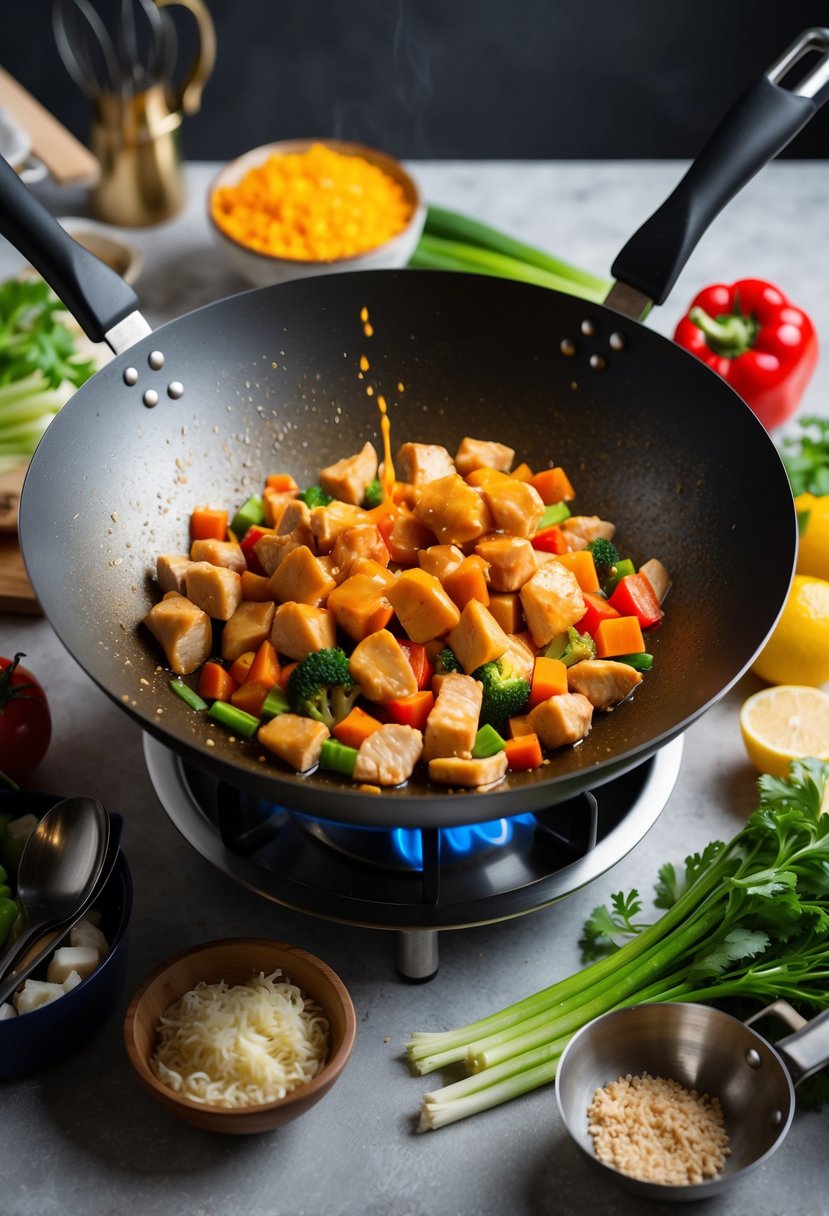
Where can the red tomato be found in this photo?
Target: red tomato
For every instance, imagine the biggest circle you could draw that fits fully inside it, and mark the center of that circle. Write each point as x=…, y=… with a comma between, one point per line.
x=25, y=721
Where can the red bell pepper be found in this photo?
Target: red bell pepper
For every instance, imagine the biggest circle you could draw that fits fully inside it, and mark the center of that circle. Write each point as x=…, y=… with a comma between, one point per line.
x=253, y=534
x=634, y=596
x=550, y=540
x=423, y=670
x=597, y=609
x=757, y=340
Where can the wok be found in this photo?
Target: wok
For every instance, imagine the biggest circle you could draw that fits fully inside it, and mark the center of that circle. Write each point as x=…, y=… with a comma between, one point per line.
x=651, y=438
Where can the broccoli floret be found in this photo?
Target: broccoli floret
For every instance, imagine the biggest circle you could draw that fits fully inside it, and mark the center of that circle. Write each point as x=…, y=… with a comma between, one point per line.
x=505, y=692
x=374, y=494
x=605, y=556
x=314, y=497
x=321, y=687
x=446, y=662
x=571, y=647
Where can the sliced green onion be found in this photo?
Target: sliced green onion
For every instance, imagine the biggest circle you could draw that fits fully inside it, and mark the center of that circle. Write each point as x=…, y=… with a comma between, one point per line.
x=250, y=513
x=487, y=743
x=639, y=662
x=188, y=696
x=338, y=757
x=276, y=702
x=234, y=719
x=554, y=514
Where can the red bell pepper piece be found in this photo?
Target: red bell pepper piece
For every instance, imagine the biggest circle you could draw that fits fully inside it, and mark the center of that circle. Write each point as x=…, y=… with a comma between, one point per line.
x=412, y=710
x=253, y=534
x=419, y=662
x=550, y=540
x=634, y=596
x=598, y=609
x=757, y=340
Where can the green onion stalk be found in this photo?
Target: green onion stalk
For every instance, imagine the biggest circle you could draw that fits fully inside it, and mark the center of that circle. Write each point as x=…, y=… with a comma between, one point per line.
x=748, y=919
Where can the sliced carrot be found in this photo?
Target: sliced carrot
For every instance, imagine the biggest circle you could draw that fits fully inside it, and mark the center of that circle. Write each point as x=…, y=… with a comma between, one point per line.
x=523, y=472
x=240, y=668
x=523, y=753
x=554, y=486
x=285, y=674
x=250, y=697
x=485, y=476
x=282, y=483
x=597, y=610
x=619, y=635
x=215, y=682
x=356, y=726
x=255, y=587
x=411, y=711
x=581, y=563
x=549, y=679
x=264, y=669
x=468, y=582
x=208, y=523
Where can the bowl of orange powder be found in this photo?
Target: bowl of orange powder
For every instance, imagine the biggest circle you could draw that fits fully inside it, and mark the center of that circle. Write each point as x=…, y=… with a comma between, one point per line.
x=303, y=207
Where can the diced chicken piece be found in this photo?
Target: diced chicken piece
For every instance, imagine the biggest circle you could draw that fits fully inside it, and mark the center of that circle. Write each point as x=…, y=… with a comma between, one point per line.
x=505, y=606
x=247, y=629
x=215, y=589
x=295, y=739
x=453, y=723
x=373, y=570
x=219, y=553
x=295, y=521
x=360, y=541
x=299, y=576
x=271, y=549
x=515, y=506
x=422, y=606
x=66, y=959
x=408, y=536
x=657, y=576
x=602, y=681
x=455, y=512
x=388, y=755
x=379, y=665
x=483, y=454
x=439, y=560
x=183, y=631
x=300, y=628
x=458, y=770
x=170, y=569
x=561, y=720
x=521, y=654
x=581, y=529
x=359, y=606
x=519, y=726
x=512, y=561
x=347, y=479
x=477, y=638
x=552, y=601
x=468, y=581
x=328, y=522
x=274, y=503
x=417, y=463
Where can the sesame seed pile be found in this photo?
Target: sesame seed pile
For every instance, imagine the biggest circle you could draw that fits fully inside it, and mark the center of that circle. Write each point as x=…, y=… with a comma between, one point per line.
x=655, y=1130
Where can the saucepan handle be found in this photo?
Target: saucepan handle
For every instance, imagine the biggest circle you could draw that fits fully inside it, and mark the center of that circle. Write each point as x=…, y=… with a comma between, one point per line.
x=762, y=122
x=806, y=1050
x=94, y=293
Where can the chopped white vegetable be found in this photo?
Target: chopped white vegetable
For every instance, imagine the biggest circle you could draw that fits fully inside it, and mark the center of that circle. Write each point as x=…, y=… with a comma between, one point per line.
x=66, y=959
x=36, y=993
x=7, y=1011
x=87, y=933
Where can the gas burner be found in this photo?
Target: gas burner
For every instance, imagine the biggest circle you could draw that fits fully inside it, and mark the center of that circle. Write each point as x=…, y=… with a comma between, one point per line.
x=416, y=881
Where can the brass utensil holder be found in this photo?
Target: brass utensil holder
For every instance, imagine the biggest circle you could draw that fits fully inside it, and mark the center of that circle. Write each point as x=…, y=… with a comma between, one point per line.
x=136, y=139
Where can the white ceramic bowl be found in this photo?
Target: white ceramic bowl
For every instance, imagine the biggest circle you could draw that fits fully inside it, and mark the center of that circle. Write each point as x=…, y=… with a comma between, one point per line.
x=262, y=269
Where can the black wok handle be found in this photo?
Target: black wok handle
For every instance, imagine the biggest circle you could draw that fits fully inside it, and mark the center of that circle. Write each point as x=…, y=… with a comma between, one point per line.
x=762, y=122
x=94, y=293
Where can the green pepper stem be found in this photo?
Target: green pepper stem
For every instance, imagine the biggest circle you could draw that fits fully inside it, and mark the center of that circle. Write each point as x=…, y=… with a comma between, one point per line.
x=730, y=334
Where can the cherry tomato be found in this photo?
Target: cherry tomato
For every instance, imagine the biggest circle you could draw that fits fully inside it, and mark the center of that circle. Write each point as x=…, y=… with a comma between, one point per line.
x=25, y=721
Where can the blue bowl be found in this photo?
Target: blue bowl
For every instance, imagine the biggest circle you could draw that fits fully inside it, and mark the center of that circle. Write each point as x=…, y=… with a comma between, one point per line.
x=35, y=1041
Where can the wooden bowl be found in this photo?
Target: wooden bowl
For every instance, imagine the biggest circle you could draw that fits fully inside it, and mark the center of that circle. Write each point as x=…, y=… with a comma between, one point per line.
x=235, y=960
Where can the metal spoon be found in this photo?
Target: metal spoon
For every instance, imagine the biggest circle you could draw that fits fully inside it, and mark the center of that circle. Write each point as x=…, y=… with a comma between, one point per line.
x=59, y=868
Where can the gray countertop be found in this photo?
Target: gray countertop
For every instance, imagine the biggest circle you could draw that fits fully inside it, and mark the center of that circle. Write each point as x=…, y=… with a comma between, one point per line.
x=84, y=1139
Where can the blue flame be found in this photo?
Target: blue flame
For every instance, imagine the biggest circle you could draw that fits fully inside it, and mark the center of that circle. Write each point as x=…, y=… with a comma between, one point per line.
x=459, y=841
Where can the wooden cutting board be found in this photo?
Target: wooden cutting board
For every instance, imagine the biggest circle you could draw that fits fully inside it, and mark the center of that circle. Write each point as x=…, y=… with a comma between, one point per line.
x=16, y=594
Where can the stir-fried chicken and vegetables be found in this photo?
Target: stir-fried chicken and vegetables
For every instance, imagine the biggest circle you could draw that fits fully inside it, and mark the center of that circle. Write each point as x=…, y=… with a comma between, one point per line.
x=452, y=616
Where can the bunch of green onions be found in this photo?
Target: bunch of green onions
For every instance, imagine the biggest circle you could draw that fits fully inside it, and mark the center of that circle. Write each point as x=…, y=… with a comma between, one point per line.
x=451, y=241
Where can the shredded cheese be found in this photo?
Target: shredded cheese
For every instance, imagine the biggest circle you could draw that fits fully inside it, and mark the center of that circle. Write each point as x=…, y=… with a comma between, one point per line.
x=242, y=1045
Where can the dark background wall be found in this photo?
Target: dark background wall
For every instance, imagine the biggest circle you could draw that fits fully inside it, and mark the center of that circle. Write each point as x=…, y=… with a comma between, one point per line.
x=571, y=79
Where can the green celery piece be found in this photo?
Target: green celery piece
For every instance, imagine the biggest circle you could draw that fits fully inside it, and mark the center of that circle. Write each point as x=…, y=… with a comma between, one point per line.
x=487, y=743
x=234, y=719
x=338, y=757
x=250, y=513
x=188, y=696
x=276, y=702
x=555, y=513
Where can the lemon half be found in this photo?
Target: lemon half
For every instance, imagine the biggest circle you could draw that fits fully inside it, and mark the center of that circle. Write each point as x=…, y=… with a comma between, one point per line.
x=784, y=723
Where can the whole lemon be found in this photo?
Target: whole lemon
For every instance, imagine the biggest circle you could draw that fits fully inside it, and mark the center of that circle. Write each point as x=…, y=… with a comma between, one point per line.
x=813, y=545
x=798, y=650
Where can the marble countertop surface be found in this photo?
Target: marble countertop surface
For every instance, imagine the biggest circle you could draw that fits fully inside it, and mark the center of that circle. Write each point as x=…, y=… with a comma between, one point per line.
x=84, y=1140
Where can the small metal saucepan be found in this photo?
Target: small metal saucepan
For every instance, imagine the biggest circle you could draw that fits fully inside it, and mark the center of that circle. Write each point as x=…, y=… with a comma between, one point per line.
x=704, y=1049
